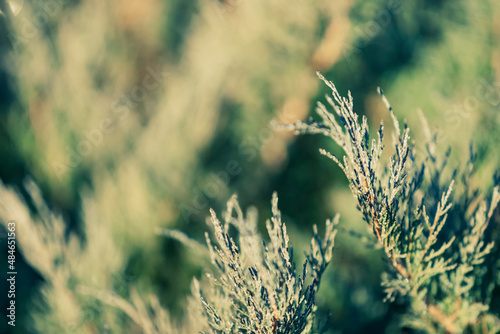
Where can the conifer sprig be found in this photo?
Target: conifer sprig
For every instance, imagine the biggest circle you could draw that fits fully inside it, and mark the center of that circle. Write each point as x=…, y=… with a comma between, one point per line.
x=423, y=247
x=255, y=287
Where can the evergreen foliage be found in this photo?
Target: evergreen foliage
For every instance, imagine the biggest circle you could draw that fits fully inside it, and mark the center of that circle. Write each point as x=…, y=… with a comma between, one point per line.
x=433, y=225
x=256, y=288
x=434, y=239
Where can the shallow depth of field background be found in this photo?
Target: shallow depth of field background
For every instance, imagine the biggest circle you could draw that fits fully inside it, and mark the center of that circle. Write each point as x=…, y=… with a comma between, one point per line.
x=186, y=91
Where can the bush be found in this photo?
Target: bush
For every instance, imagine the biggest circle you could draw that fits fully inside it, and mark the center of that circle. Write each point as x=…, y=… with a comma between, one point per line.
x=432, y=224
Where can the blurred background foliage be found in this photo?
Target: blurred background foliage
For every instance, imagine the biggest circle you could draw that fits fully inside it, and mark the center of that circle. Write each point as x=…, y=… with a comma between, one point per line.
x=151, y=112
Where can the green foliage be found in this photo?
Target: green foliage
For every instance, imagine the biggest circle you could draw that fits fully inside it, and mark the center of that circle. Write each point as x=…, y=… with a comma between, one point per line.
x=436, y=264
x=431, y=222
x=73, y=74
x=256, y=288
